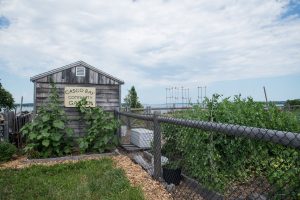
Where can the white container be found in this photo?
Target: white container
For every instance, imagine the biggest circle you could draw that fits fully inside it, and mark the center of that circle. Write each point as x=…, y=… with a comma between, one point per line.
x=141, y=137
x=123, y=130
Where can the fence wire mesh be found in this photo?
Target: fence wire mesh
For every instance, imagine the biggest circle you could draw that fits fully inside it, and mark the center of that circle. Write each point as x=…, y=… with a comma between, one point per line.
x=207, y=160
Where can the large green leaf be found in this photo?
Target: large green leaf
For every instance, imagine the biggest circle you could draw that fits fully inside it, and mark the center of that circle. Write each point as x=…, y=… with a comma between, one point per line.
x=46, y=143
x=83, y=145
x=69, y=132
x=39, y=137
x=24, y=130
x=45, y=134
x=58, y=124
x=45, y=118
x=67, y=150
x=56, y=137
x=32, y=135
x=55, y=144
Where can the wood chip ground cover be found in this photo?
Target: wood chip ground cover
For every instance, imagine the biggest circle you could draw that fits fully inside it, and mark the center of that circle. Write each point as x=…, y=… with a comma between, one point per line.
x=138, y=177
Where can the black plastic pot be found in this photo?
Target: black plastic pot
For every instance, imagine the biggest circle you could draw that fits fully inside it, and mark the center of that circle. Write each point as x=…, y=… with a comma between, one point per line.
x=172, y=175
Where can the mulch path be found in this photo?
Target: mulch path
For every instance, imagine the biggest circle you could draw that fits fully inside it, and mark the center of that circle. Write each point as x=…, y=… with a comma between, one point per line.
x=23, y=162
x=137, y=176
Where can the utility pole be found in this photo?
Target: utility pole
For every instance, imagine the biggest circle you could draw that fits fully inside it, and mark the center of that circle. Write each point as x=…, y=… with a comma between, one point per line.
x=176, y=94
x=182, y=96
x=198, y=98
x=267, y=104
x=21, y=105
x=166, y=97
x=201, y=96
x=172, y=97
x=188, y=97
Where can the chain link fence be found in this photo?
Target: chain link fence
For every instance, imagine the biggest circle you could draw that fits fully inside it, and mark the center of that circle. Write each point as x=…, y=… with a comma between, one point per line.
x=208, y=160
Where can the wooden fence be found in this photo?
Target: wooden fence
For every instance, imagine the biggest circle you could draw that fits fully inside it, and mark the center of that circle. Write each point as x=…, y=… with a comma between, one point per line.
x=10, y=128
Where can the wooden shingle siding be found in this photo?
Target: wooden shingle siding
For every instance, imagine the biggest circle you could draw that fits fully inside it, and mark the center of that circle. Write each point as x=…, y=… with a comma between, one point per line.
x=69, y=76
x=106, y=95
x=107, y=90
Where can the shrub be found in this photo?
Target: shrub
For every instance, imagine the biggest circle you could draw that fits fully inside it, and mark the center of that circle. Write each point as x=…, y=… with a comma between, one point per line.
x=101, y=128
x=7, y=150
x=293, y=102
x=47, y=135
x=217, y=160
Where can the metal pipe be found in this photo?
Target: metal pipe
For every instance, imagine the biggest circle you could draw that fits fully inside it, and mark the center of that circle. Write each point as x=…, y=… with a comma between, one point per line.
x=281, y=137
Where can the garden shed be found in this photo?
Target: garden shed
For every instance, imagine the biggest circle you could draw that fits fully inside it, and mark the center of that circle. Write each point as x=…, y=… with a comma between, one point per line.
x=73, y=82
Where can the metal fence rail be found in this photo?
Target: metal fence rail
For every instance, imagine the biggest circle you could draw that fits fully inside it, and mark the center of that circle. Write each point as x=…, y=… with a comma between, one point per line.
x=209, y=148
x=280, y=137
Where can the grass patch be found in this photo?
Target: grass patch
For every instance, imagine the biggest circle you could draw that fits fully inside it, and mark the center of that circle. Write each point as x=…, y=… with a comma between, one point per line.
x=94, y=179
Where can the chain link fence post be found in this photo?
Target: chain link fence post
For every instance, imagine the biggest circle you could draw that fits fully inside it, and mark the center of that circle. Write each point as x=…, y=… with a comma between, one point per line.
x=157, y=147
x=128, y=118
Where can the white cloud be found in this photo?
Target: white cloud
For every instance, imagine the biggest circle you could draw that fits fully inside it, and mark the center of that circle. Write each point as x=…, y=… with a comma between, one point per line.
x=153, y=43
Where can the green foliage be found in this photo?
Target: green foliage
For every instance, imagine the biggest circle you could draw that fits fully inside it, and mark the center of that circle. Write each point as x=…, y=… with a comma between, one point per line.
x=132, y=100
x=175, y=164
x=7, y=150
x=101, y=128
x=47, y=135
x=293, y=102
x=217, y=160
x=94, y=179
x=6, y=99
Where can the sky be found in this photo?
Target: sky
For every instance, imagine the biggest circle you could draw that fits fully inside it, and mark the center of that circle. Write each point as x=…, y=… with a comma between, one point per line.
x=230, y=46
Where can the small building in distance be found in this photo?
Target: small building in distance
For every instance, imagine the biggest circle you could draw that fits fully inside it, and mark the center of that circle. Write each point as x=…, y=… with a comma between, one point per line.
x=73, y=82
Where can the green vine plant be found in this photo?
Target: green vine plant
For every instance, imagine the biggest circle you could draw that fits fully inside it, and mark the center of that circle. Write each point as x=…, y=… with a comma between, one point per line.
x=48, y=135
x=217, y=160
x=100, y=131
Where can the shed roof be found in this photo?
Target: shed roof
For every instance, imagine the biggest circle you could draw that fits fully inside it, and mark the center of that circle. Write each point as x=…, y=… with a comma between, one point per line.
x=75, y=64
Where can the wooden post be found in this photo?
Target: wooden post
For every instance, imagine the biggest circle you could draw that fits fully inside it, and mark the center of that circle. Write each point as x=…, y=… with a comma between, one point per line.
x=6, y=128
x=1, y=132
x=117, y=117
x=157, y=148
x=21, y=105
x=34, y=99
x=267, y=104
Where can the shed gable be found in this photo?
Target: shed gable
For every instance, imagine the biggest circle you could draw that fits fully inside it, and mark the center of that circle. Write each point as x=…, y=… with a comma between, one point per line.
x=68, y=74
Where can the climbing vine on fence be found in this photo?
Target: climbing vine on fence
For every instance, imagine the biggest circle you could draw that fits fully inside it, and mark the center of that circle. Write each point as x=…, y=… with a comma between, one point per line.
x=100, y=131
x=47, y=135
x=218, y=160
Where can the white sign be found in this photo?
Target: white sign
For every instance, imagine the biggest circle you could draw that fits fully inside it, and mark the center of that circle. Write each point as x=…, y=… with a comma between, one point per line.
x=75, y=94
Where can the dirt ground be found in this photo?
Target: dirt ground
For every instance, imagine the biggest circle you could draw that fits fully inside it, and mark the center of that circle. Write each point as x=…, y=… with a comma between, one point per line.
x=137, y=176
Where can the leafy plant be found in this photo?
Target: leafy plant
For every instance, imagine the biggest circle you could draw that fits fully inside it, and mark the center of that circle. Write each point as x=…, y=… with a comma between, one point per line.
x=100, y=132
x=47, y=135
x=7, y=150
x=6, y=99
x=217, y=160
